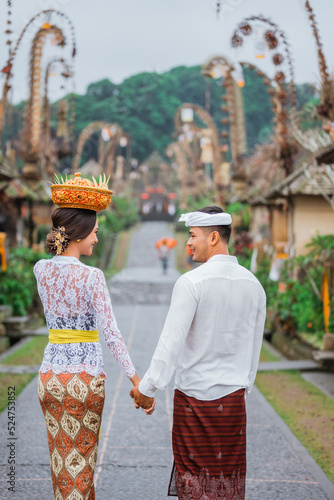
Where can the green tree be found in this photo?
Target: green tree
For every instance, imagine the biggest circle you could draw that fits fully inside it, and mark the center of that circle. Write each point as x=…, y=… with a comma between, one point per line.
x=144, y=105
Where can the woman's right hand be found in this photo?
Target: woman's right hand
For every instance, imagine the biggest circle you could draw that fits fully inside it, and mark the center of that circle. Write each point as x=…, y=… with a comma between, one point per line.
x=142, y=401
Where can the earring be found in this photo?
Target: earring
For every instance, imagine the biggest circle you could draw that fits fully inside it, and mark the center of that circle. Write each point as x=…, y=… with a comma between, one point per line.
x=78, y=241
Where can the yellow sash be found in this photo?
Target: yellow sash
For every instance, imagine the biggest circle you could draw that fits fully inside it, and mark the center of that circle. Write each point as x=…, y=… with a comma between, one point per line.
x=72, y=336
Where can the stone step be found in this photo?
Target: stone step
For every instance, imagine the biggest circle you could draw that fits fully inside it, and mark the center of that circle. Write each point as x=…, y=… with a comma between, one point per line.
x=15, y=325
x=323, y=355
x=42, y=330
x=2, y=330
x=5, y=312
x=140, y=293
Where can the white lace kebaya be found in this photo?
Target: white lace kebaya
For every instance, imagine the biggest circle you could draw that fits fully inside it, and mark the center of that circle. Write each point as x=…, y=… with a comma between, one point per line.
x=75, y=296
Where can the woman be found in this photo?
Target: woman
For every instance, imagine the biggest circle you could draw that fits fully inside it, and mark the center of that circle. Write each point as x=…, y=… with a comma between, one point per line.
x=71, y=383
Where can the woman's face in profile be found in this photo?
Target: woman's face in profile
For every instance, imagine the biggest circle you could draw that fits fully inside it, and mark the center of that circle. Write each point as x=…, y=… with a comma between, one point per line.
x=86, y=245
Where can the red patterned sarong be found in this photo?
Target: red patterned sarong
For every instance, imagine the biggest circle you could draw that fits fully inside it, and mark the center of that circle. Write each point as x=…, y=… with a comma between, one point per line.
x=72, y=404
x=209, y=447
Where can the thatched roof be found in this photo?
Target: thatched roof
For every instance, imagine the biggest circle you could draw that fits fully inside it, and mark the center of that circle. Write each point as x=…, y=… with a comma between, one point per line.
x=268, y=181
x=8, y=169
x=325, y=155
x=22, y=189
x=264, y=169
x=309, y=179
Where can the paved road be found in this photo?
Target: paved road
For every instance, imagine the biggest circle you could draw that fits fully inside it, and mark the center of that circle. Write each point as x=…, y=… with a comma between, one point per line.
x=143, y=281
x=135, y=454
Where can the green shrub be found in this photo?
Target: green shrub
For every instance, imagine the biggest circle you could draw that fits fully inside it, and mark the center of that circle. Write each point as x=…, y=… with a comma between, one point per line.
x=18, y=286
x=243, y=211
x=300, y=307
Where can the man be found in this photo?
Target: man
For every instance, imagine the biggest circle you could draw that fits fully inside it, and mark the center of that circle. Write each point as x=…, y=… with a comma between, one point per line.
x=212, y=339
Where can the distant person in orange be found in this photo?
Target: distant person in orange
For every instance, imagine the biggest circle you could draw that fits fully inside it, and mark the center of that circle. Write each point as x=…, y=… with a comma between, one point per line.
x=164, y=245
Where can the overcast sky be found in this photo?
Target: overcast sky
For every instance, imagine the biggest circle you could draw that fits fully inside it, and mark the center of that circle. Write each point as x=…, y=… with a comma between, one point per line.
x=117, y=39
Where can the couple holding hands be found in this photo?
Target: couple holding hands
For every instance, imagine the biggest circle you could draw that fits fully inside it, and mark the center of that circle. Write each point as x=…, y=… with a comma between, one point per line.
x=211, y=341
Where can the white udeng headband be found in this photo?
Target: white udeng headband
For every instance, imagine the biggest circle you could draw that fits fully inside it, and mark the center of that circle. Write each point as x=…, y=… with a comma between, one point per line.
x=200, y=219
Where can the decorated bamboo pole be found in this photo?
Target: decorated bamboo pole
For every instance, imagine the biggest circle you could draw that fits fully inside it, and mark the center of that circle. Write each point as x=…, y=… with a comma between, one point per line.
x=207, y=119
x=176, y=150
x=326, y=108
x=232, y=104
x=285, y=96
x=66, y=73
x=43, y=18
x=106, y=153
x=33, y=124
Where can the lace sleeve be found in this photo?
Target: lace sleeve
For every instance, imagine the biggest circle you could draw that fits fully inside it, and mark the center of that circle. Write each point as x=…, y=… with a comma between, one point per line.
x=107, y=322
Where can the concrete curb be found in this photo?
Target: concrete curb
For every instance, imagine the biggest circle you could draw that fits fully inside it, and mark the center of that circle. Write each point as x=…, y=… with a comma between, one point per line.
x=18, y=369
x=298, y=364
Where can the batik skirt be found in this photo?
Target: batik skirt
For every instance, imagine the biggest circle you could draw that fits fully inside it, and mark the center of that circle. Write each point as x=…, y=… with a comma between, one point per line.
x=72, y=404
x=209, y=447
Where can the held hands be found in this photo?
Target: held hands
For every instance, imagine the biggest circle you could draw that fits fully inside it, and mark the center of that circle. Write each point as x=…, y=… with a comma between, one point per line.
x=144, y=402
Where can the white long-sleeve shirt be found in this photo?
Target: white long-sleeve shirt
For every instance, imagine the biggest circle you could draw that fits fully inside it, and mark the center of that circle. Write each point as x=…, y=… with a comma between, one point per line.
x=212, y=334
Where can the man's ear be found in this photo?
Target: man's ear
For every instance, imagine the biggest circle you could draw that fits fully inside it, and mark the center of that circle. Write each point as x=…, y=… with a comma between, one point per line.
x=214, y=238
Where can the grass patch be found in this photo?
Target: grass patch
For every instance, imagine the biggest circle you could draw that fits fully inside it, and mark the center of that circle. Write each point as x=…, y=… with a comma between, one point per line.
x=4, y=344
x=180, y=249
x=306, y=410
x=182, y=263
x=121, y=253
x=30, y=353
x=19, y=381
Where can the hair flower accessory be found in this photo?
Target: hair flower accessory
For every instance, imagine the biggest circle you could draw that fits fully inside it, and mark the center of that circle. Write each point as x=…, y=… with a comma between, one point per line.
x=61, y=239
